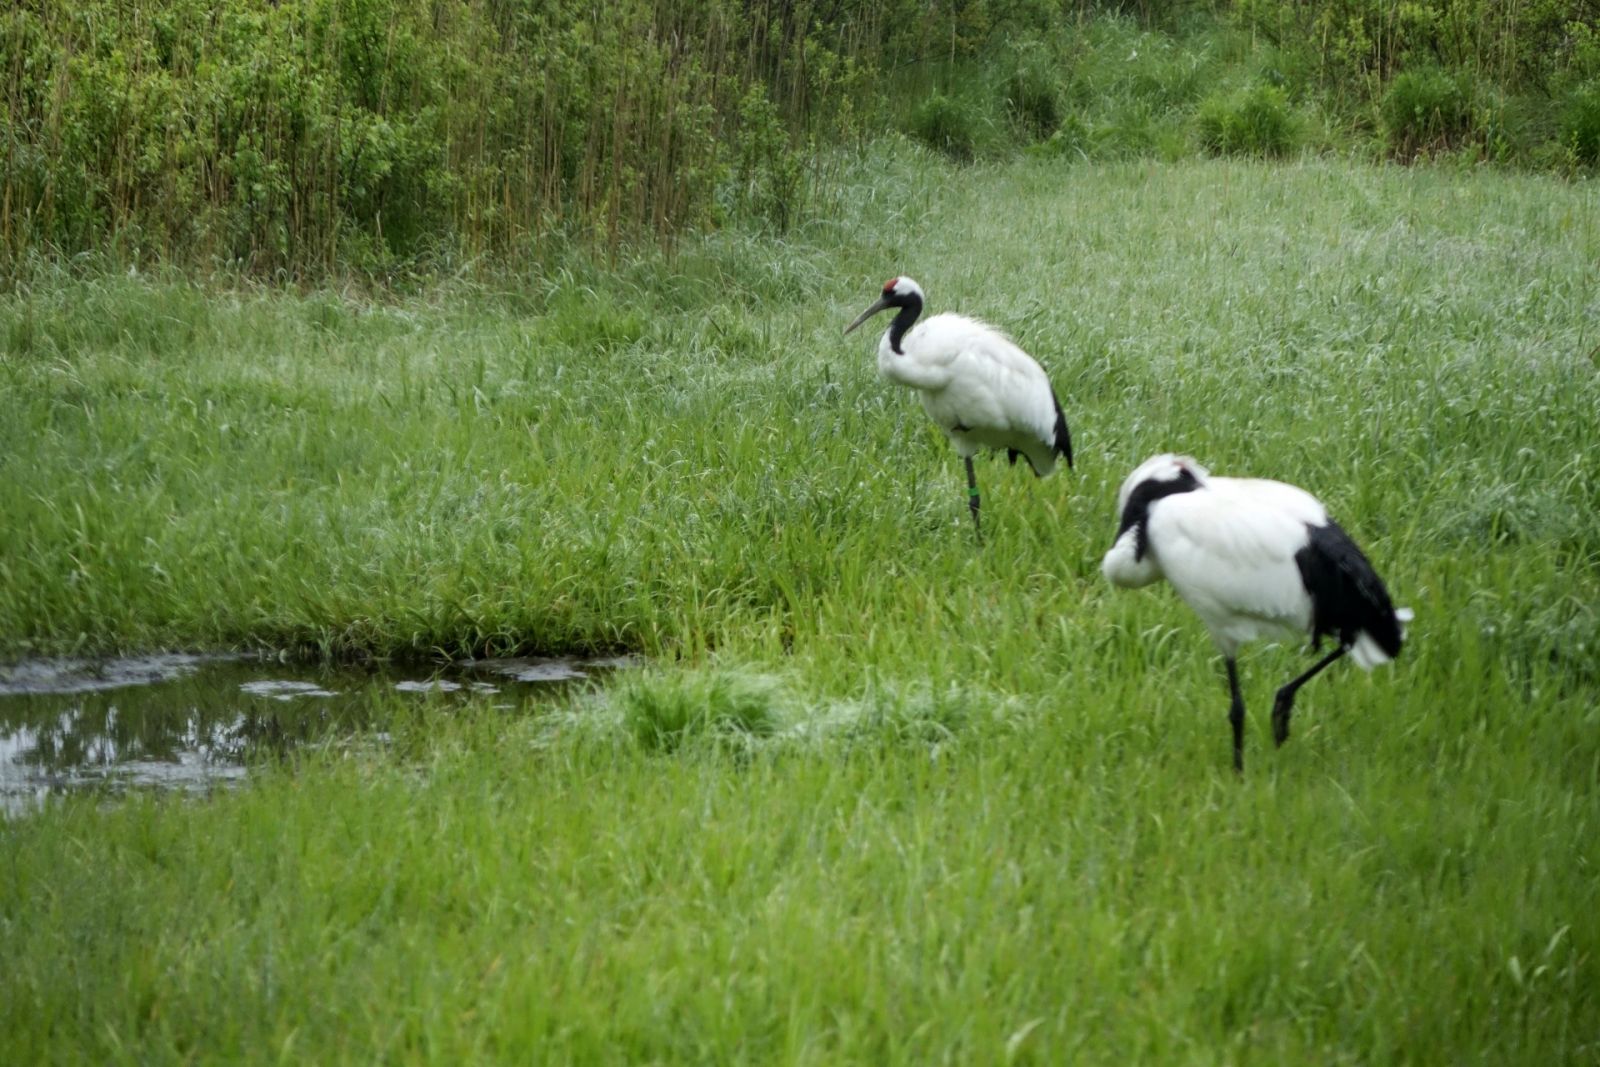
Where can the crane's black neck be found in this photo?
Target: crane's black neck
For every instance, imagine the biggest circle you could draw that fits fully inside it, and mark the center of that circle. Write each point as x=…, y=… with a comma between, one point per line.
x=1137, y=512
x=910, y=306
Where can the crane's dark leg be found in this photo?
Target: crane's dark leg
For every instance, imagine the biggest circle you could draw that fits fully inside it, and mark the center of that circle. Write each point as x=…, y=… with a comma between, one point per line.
x=1236, y=716
x=972, y=499
x=1284, y=702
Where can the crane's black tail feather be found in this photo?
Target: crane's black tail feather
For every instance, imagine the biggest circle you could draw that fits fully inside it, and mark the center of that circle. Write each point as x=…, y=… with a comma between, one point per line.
x=1063, y=441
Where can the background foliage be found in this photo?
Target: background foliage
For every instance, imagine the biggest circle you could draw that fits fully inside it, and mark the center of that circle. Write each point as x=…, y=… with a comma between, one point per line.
x=320, y=137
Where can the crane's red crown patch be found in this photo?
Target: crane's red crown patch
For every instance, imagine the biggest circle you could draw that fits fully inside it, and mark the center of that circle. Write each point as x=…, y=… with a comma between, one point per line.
x=888, y=286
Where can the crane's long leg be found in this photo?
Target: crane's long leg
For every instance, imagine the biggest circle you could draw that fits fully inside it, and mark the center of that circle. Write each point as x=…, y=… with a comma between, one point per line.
x=1284, y=702
x=1236, y=715
x=972, y=499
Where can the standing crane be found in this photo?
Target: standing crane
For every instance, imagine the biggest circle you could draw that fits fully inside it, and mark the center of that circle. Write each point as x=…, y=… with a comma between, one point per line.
x=1253, y=558
x=975, y=384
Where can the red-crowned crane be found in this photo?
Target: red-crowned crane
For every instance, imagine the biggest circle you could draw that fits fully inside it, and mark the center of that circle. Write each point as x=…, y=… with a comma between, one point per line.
x=1253, y=558
x=975, y=383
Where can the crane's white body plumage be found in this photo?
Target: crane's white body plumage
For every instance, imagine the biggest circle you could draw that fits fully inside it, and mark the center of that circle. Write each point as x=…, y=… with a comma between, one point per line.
x=1229, y=550
x=975, y=383
x=1253, y=558
x=977, y=386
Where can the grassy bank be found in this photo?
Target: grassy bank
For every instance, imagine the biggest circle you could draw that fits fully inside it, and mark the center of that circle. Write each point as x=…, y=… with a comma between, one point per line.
x=687, y=454
x=927, y=803
x=1070, y=883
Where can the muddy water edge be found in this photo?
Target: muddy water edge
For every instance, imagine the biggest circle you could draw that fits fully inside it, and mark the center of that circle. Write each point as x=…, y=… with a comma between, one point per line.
x=196, y=722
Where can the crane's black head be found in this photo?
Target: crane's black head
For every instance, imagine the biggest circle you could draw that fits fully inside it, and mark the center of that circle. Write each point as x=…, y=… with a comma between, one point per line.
x=1157, y=477
x=902, y=293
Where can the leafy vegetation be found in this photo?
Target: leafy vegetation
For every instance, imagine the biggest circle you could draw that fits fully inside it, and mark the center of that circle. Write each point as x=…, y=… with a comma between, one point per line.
x=396, y=138
x=1580, y=127
x=1256, y=121
x=950, y=125
x=1033, y=93
x=1424, y=108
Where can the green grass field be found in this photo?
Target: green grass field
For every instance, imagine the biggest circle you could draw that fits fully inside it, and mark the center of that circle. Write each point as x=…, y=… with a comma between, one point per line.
x=882, y=797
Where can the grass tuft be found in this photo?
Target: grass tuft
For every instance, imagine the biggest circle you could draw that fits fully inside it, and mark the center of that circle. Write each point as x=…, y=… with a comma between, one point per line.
x=1255, y=121
x=664, y=712
x=950, y=125
x=1032, y=93
x=1427, y=108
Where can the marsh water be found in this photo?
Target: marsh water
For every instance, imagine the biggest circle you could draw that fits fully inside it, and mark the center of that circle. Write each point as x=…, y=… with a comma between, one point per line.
x=187, y=722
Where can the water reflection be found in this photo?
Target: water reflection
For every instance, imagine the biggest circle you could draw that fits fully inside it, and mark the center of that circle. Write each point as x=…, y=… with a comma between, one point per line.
x=193, y=722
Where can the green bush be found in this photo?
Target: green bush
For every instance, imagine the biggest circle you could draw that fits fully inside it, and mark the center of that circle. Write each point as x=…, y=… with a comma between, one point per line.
x=770, y=175
x=1120, y=65
x=1074, y=138
x=1426, y=109
x=1348, y=42
x=1032, y=95
x=1504, y=128
x=947, y=124
x=1255, y=121
x=1580, y=124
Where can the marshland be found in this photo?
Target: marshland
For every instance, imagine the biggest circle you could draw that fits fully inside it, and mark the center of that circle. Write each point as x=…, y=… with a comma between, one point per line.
x=850, y=788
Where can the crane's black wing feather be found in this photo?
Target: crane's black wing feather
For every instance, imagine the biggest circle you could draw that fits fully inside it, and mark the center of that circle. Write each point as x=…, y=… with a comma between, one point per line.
x=1347, y=596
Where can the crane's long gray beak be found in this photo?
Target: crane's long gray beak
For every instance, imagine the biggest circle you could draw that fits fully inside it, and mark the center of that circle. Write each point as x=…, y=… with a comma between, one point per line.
x=881, y=303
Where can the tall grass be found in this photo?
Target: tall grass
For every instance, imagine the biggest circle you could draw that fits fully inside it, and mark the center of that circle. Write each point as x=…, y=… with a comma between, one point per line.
x=314, y=138
x=884, y=796
x=658, y=458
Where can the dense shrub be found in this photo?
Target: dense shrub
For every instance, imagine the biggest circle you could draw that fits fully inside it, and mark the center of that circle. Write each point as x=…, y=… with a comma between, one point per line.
x=1033, y=95
x=1255, y=121
x=1121, y=65
x=1426, y=109
x=300, y=136
x=1580, y=124
x=947, y=124
x=1351, y=41
x=1504, y=128
x=1073, y=139
x=770, y=174
x=324, y=136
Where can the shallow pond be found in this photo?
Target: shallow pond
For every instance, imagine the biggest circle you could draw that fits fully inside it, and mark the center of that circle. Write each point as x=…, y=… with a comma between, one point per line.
x=193, y=722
